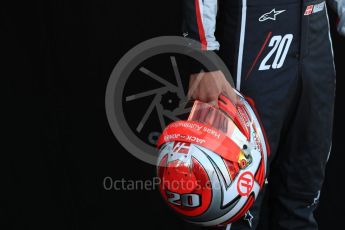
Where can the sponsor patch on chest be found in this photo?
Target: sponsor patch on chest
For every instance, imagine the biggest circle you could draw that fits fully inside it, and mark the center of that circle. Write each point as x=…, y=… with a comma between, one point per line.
x=313, y=9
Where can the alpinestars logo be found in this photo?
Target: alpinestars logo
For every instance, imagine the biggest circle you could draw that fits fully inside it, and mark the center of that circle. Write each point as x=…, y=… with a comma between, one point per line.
x=249, y=217
x=272, y=15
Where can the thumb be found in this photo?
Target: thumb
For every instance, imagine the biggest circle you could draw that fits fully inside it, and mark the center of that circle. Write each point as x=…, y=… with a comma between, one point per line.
x=213, y=102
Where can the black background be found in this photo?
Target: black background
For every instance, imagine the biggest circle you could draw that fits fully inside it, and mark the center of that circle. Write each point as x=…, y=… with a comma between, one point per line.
x=59, y=147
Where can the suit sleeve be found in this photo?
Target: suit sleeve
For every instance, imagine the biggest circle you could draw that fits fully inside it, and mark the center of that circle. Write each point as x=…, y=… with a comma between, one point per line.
x=199, y=22
x=339, y=7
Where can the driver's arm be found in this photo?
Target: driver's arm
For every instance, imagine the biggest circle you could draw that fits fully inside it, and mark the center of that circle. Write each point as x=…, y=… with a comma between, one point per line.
x=200, y=24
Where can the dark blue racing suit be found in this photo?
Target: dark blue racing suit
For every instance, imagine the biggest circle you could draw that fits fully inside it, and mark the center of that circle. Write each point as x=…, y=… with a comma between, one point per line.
x=280, y=54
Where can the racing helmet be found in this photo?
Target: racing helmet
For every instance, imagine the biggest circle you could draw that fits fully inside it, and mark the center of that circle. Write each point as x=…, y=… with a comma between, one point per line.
x=213, y=165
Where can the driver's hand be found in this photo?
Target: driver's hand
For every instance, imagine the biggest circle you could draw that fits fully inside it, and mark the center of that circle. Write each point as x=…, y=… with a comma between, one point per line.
x=208, y=86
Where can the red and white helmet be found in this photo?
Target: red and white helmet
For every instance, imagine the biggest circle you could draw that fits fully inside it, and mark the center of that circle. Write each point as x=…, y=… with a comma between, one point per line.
x=213, y=165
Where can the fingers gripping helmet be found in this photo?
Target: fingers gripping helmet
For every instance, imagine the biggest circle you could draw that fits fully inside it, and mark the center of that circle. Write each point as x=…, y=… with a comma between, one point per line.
x=213, y=165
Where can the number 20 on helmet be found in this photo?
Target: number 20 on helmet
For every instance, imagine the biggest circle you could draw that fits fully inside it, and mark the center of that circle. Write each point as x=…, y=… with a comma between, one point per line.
x=213, y=165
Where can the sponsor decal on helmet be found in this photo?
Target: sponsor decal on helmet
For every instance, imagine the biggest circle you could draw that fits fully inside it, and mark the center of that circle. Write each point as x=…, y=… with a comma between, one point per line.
x=245, y=184
x=181, y=147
